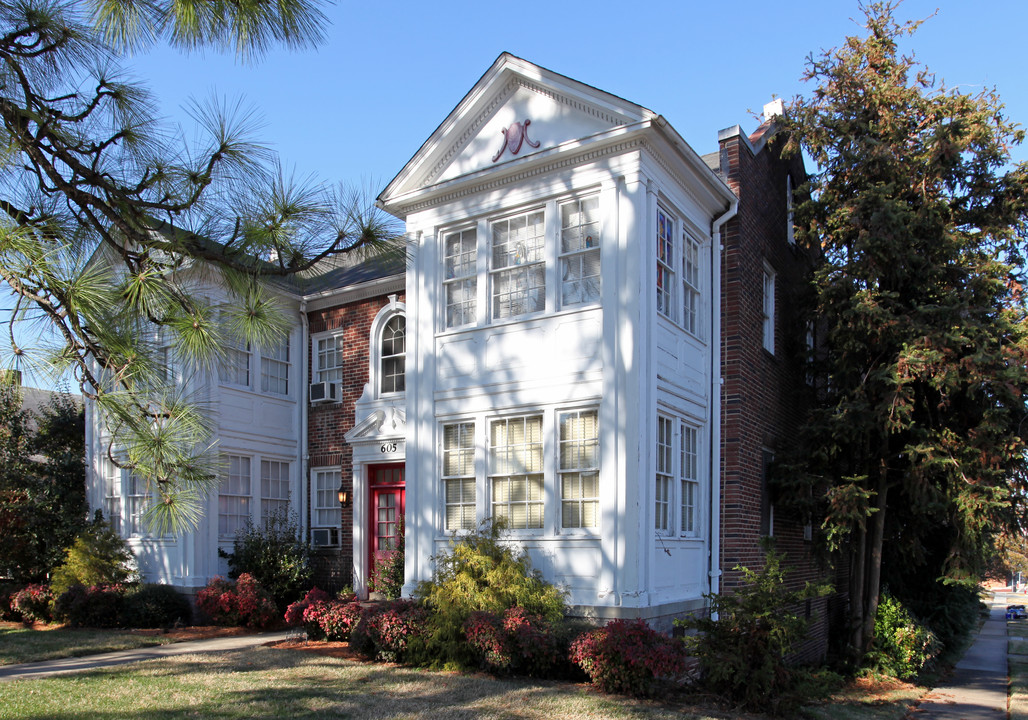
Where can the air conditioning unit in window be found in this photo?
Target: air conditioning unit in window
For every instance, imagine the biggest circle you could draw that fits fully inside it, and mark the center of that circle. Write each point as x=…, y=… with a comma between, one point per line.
x=324, y=537
x=324, y=392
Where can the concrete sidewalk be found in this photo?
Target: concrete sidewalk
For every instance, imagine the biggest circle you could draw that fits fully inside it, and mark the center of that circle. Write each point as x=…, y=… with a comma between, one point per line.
x=977, y=690
x=62, y=666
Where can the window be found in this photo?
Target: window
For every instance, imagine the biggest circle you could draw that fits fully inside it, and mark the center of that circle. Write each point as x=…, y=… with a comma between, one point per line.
x=516, y=471
x=329, y=359
x=518, y=268
x=662, y=493
x=460, y=253
x=459, y=476
x=234, y=368
x=690, y=284
x=234, y=496
x=579, y=465
x=393, y=350
x=112, y=493
x=274, y=490
x=769, y=310
x=580, y=251
x=326, y=512
x=135, y=503
x=275, y=369
x=689, y=470
x=665, y=263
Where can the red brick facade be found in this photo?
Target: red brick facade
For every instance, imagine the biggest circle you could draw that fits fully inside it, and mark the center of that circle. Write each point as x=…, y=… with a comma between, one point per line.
x=762, y=391
x=328, y=424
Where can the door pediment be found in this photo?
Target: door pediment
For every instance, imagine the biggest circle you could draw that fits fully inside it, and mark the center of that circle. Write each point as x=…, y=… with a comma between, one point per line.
x=383, y=424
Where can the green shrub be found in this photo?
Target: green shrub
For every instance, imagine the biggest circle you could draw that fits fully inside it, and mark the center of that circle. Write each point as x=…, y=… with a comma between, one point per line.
x=387, y=577
x=156, y=606
x=742, y=655
x=628, y=657
x=97, y=557
x=903, y=645
x=479, y=573
x=276, y=556
x=95, y=606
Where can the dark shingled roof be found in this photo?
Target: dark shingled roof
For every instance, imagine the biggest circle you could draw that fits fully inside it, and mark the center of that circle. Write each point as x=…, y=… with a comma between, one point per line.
x=350, y=269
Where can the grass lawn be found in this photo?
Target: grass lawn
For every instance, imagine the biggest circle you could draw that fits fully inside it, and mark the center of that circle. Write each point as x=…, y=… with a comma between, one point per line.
x=268, y=682
x=20, y=644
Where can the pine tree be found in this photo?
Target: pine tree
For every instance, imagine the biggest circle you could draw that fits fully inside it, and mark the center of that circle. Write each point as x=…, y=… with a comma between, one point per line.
x=110, y=222
x=913, y=454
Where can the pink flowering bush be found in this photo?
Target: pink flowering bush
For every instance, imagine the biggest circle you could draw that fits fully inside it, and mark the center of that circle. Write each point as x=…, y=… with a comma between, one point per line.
x=387, y=631
x=628, y=657
x=294, y=613
x=242, y=602
x=516, y=642
x=331, y=619
x=34, y=603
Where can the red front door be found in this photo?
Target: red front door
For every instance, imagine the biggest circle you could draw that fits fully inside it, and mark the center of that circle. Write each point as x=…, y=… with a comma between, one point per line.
x=387, y=502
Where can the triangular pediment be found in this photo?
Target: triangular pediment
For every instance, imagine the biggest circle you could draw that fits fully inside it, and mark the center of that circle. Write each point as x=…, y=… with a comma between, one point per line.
x=390, y=422
x=515, y=112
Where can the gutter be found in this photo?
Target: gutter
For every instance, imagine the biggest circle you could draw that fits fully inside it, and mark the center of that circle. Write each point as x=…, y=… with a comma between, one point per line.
x=714, y=532
x=304, y=458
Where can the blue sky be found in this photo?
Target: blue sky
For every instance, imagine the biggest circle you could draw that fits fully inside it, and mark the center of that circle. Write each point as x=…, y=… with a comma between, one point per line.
x=357, y=108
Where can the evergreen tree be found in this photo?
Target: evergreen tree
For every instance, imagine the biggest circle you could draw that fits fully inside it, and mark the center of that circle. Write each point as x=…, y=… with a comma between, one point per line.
x=110, y=222
x=913, y=454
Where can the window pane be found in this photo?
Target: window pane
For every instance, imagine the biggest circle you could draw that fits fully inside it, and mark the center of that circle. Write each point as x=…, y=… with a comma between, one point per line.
x=330, y=359
x=458, y=472
x=519, y=277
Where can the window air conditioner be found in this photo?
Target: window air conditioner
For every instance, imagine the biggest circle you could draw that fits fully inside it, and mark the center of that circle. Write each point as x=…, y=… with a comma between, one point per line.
x=324, y=537
x=324, y=392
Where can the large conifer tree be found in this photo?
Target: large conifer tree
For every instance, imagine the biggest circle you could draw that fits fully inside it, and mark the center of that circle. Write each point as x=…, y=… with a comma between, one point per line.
x=915, y=439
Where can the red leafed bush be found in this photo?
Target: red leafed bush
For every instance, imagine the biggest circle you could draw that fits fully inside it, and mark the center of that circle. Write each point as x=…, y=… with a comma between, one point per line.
x=98, y=606
x=385, y=632
x=242, y=602
x=517, y=642
x=628, y=657
x=331, y=619
x=34, y=603
x=294, y=613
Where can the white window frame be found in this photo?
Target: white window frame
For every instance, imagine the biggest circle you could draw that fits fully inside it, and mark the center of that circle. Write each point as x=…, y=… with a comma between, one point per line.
x=275, y=369
x=689, y=475
x=272, y=485
x=460, y=279
x=328, y=346
x=236, y=366
x=578, y=458
x=388, y=363
x=691, y=295
x=665, y=256
x=524, y=265
x=457, y=460
x=111, y=476
x=511, y=470
x=325, y=510
x=664, y=476
x=235, y=495
x=768, y=309
x=386, y=313
x=136, y=498
x=574, y=250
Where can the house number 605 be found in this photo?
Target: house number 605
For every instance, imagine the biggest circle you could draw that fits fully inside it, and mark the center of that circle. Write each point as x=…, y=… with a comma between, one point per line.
x=388, y=447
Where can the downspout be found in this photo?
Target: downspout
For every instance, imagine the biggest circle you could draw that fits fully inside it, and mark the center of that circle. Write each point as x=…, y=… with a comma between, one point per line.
x=714, y=537
x=305, y=479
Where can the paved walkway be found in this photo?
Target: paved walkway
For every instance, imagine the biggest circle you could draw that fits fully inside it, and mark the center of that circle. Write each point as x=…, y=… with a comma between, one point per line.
x=63, y=666
x=977, y=690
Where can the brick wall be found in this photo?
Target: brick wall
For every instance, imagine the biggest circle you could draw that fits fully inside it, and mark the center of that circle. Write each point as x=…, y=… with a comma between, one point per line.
x=762, y=391
x=328, y=424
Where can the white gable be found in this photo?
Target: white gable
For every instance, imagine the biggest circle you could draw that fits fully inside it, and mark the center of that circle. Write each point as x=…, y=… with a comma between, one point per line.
x=516, y=111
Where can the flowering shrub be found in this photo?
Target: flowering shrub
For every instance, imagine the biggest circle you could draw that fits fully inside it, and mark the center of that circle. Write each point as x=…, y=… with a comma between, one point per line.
x=331, y=619
x=388, y=574
x=386, y=632
x=295, y=611
x=517, y=641
x=98, y=606
x=34, y=603
x=628, y=657
x=242, y=602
